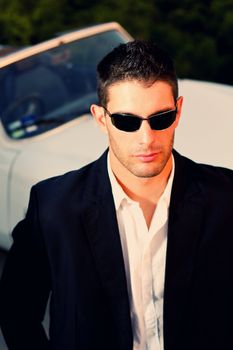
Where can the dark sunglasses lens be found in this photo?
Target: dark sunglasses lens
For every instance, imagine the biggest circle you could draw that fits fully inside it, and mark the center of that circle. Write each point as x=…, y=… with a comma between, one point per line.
x=125, y=122
x=163, y=121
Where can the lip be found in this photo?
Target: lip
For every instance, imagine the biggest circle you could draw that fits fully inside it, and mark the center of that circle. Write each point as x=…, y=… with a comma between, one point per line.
x=148, y=157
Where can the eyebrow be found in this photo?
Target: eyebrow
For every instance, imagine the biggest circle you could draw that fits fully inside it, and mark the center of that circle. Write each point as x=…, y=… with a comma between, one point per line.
x=167, y=109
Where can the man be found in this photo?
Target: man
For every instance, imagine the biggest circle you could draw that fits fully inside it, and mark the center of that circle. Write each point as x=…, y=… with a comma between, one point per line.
x=135, y=248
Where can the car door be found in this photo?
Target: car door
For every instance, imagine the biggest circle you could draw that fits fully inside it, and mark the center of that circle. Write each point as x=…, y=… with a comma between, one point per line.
x=7, y=159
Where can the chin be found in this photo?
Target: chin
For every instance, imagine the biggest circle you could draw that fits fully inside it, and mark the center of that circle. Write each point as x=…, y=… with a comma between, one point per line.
x=147, y=173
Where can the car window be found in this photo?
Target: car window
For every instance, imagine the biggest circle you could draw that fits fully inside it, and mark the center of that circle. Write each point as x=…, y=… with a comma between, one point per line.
x=51, y=88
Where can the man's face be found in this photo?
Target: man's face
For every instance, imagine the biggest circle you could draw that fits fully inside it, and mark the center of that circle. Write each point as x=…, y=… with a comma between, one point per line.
x=144, y=153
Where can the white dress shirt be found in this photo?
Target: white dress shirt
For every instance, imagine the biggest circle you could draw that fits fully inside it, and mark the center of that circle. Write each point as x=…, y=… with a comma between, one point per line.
x=144, y=252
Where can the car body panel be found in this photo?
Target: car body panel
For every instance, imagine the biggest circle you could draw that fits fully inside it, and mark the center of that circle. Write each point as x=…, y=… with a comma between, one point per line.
x=206, y=125
x=69, y=148
x=7, y=159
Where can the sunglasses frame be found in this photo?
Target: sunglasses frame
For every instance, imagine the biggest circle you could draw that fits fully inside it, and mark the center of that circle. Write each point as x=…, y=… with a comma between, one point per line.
x=139, y=119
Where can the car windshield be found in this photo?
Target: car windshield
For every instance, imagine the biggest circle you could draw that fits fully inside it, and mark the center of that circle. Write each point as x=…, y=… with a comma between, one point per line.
x=51, y=88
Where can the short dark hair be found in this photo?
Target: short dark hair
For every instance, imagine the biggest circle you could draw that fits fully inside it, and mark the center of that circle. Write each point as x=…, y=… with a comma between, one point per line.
x=136, y=60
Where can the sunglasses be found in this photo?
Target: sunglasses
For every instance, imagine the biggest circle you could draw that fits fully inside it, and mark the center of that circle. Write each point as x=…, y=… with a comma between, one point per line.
x=130, y=122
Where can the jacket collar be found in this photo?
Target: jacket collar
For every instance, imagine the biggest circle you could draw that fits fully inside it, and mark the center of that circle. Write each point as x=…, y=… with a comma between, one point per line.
x=100, y=221
x=184, y=229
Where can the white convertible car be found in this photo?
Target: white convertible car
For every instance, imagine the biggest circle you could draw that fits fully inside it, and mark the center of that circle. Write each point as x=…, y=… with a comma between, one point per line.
x=46, y=128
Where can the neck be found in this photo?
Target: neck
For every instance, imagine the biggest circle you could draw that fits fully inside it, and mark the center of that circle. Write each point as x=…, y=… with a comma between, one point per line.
x=142, y=189
x=145, y=191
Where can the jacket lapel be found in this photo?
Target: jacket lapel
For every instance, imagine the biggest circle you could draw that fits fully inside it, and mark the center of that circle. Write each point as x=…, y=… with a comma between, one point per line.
x=102, y=231
x=185, y=225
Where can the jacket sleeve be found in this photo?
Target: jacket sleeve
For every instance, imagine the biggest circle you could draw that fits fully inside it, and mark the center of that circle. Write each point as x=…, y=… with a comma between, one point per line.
x=25, y=285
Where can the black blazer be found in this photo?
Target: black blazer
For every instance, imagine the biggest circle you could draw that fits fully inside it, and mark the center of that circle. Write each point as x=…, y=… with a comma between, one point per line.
x=69, y=244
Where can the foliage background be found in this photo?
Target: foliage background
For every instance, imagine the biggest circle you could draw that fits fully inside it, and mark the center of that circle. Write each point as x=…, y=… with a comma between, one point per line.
x=199, y=34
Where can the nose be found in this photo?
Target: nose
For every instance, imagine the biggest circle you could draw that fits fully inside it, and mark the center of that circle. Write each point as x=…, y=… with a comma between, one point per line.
x=147, y=135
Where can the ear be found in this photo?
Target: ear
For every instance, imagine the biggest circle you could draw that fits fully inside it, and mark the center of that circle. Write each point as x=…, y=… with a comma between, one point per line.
x=99, y=116
x=179, y=104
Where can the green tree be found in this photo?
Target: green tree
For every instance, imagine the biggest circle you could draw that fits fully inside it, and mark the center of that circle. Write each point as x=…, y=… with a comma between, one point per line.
x=15, y=28
x=197, y=33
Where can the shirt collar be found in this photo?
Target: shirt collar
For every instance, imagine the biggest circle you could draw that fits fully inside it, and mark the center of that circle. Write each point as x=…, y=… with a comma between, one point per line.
x=119, y=195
